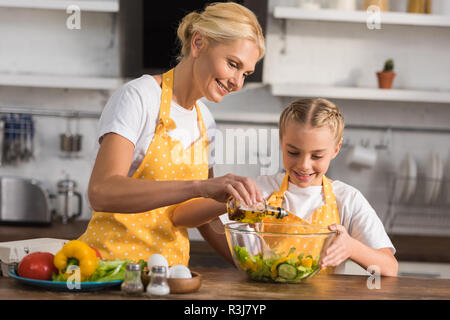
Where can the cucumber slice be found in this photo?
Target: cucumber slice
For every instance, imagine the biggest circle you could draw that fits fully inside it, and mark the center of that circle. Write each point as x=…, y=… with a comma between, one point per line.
x=287, y=271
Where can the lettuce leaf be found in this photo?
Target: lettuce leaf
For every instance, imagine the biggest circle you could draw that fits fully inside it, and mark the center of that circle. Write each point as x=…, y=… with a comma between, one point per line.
x=109, y=271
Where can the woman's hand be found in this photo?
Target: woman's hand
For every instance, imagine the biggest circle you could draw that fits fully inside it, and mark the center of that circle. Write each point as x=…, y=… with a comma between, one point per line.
x=221, y=188
x=340, y=249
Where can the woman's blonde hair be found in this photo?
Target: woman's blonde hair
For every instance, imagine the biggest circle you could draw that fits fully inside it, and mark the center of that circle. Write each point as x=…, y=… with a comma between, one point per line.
x=316, y=113
x=220, y=23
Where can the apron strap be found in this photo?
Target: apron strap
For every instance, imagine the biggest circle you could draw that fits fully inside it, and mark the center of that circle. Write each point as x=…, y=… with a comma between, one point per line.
x=166, y=99
x=201, y=123
x=276, y=198
x=328, y=193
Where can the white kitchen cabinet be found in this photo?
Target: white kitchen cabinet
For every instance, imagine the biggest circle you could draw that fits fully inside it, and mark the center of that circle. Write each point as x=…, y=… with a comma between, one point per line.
x=57, y=81
x=331, y=15
x=355, y=93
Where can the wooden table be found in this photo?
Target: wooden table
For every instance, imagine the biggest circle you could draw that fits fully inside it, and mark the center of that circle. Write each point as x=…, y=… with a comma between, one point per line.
x=231, y=284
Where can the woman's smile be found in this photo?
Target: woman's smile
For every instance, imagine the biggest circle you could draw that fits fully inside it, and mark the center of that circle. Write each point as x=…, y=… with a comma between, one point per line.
x=220, y=69
x=222, y=88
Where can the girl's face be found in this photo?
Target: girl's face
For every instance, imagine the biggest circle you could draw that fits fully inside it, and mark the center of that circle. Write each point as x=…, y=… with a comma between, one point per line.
x=307, y=153
x=221, y=68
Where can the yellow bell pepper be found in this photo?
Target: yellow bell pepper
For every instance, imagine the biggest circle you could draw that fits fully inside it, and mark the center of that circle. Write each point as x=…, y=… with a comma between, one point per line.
x=248, y=264
x=273, y=269
x=307, y=262
x=86, y=256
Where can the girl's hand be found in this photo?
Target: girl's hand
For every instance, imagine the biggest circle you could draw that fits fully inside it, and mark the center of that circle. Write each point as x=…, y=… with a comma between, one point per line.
x=340, y=249
x=240, y=188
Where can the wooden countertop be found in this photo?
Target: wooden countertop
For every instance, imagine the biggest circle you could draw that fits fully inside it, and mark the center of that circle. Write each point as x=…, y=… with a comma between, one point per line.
x=231, y=284
x=409, y=248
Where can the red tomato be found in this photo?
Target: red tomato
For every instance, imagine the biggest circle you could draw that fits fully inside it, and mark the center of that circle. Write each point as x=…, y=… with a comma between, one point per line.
x=37, y=265
x=97, y=253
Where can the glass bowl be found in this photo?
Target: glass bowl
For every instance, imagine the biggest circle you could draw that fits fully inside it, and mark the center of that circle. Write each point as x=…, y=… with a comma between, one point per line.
x=277, y=252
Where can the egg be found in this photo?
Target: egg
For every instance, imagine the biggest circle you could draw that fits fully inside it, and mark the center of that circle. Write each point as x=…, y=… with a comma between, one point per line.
x=180, y=271
x=157, y=260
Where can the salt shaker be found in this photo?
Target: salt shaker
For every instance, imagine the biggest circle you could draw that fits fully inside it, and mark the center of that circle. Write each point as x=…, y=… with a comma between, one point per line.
x=132, y=283
x=158, y=285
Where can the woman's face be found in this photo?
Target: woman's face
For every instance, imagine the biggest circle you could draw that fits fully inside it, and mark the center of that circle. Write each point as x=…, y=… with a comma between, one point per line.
x=219, y=69
x=307, y=153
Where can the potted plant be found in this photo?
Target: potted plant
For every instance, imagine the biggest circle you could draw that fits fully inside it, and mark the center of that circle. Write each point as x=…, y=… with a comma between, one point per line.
x=386, y=77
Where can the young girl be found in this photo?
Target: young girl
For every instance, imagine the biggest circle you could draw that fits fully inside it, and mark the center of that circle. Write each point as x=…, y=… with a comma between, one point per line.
x=311, y=132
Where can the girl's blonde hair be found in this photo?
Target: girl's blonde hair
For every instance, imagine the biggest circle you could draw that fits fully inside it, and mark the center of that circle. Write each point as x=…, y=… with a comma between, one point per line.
x=221, y=23
x=316, y=113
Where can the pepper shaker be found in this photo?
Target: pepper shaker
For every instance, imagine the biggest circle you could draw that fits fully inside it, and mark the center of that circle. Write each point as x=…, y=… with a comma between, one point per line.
x=132, y=283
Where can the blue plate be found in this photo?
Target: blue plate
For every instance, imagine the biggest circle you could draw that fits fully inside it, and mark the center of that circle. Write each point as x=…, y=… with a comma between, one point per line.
x=64, y=286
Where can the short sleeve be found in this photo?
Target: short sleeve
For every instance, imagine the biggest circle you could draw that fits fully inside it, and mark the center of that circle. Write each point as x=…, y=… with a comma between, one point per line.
x=123, y=114
x=363, y=223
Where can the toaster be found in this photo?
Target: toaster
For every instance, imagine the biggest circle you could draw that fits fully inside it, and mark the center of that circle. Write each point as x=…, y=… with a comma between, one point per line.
x=24, y=201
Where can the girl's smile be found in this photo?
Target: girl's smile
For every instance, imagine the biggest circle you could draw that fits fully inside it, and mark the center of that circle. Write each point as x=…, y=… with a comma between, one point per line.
x=303, y=177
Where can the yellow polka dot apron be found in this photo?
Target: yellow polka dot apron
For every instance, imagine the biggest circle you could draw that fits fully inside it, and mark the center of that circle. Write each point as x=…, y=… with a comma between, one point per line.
x=322, y=217
x=137, y=236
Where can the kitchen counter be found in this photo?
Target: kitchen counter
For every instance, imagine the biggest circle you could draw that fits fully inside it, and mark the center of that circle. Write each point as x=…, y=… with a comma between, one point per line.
x=409, y=248
x=72, y=230
x=231, y=284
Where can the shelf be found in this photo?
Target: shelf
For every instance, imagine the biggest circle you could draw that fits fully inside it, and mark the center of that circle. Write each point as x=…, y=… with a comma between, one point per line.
x=331, y=15
x=67, y=82
x=95, y=6
x=354, y=93
x=246, y=117
x=42, y=112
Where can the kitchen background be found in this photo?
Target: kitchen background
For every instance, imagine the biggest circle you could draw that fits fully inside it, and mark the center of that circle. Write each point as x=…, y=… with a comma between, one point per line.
x=64, y=76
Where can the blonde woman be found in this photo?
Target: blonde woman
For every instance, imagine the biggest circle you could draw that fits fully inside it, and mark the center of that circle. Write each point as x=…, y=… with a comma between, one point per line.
x=155, y=139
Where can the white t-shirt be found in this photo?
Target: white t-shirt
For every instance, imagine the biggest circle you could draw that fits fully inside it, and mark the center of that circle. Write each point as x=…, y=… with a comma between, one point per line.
x=133, y=110
x=356, y=214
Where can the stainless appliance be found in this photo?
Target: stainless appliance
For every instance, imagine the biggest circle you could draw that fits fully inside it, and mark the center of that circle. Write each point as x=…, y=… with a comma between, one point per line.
x=65, y=198
x=24, y=200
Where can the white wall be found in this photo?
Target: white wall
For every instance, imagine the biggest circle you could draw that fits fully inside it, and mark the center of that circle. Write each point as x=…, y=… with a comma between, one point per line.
x=37, y=42
x=349, y=54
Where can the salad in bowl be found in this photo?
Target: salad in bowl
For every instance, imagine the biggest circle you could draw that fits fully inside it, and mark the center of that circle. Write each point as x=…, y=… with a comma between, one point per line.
x=277, y=252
